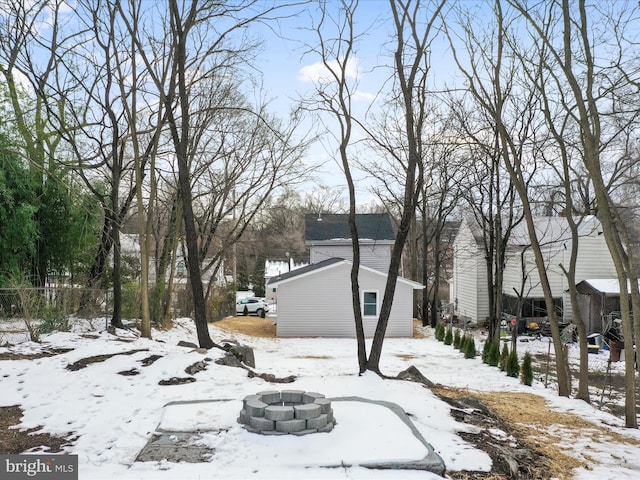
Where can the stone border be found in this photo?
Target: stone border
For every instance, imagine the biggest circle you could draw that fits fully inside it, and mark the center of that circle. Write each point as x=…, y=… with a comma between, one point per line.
x=287, y=412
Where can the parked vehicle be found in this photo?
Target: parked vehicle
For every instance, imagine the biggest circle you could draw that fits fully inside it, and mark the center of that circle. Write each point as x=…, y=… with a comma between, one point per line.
x=252, y=305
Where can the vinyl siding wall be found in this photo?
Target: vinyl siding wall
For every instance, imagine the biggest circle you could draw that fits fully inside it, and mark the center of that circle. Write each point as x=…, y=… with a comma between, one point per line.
x=373, y=256
x=319, y=305
x=594, y=261
x=469, y=284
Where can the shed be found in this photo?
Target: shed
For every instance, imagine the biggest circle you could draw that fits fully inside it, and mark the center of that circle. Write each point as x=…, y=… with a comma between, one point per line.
x=599, y=302
x=315, y=301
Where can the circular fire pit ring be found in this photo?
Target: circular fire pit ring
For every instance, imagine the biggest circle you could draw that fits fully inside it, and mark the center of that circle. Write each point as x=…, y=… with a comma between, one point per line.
x=287, y=412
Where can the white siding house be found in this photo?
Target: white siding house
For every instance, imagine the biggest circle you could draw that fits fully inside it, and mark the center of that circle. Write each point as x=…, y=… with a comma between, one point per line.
x=315, y=301
x=469, y=285
x=328, y=236
x=469, y=275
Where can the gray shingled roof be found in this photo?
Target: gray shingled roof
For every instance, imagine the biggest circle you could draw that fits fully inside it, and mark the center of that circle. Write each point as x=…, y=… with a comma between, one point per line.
x=331, y=226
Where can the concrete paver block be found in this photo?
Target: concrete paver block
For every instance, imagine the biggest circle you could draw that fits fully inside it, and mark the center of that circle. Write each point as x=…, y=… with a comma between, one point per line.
x=255, y=408
x=244, y=418
x=261, y=423
x=307, y=410
x=291, y=396
x=276, y=412
x=290, y=426
x=270, y=397
x=310, y=397
x=325, y=404
x=317, y=422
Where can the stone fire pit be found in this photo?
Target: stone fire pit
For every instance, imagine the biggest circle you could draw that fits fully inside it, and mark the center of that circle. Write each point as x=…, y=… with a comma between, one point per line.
x=286, y=412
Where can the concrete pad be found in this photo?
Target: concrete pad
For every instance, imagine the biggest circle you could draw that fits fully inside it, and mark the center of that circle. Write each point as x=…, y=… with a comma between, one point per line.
x=357, y=418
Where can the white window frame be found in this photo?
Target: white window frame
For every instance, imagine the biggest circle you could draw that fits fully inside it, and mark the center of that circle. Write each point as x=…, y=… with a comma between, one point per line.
x=377, y=294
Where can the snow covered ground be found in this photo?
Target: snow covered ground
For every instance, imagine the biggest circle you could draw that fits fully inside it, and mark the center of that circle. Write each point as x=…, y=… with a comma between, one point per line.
x=113, y=416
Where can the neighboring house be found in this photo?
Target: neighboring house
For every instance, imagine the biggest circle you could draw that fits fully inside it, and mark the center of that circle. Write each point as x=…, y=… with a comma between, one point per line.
x=328, y=236
x=315, y=300
x=273, y=268
x=469, y=288
x=130, y=250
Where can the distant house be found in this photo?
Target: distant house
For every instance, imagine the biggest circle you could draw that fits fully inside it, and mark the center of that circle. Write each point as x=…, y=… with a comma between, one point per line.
x=315, y=300
x=274, y=268
x=328, y=236
x=469, y=289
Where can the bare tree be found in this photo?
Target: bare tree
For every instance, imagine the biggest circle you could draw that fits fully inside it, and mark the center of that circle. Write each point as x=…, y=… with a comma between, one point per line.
x=411, y=61
x=335, y=98
x=573, y=52
x=194, y=84
x=491, y=81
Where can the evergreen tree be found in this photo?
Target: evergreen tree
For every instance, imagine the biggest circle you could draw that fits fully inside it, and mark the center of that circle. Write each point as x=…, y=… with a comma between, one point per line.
x=485, y=351
x=494, y=354
x=527, y=370
x=448, y=338
x=456, y=339
x=503, y=357
x=513, y=367
x=18, y=209
x=470, y=348
x=440, y=333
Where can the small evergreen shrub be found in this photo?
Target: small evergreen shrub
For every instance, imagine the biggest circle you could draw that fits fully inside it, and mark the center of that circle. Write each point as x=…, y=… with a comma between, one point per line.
x=440, y=333
x=513, y=367
x=503, y=358
x=456, y=339
x=527, y=370
x=448, y=338
x=470, y=348
x=494, y=354
x=53, y=320
x=485, y=351
x=464, y=338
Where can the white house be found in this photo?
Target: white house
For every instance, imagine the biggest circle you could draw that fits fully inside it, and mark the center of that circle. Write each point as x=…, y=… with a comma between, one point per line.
x=469, y=288
x=316, y=300
x=273, y=268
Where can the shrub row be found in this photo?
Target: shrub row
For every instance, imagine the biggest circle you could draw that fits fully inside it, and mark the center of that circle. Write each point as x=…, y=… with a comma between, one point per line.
x=508, y=361
x=463, y=342
x=491, y=355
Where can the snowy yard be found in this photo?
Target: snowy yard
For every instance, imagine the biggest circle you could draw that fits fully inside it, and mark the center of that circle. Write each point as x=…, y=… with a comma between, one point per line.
x=111, y=416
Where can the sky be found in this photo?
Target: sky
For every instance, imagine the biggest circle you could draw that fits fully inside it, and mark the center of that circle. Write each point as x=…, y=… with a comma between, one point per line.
x=291, y=68
x=112, y=416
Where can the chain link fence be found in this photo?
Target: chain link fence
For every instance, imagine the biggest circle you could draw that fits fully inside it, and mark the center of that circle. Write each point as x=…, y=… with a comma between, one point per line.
x=27, y=312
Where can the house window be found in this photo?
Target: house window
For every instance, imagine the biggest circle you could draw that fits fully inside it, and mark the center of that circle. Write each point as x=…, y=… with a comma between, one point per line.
x=370, y=304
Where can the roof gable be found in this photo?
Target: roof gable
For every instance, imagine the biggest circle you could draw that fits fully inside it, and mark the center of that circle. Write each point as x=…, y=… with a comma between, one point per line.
x=327, y=227
x=331, y=263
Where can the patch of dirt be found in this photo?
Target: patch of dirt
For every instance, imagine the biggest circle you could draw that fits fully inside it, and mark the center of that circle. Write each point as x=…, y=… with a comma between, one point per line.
x=529, y=449
x=264, y=327
x=84, y=362
x=150, y=360
x=197, y=367
x=314, y=357
x=177, y=381
x=14, y=441
x=254, y=326
x=32, y=356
